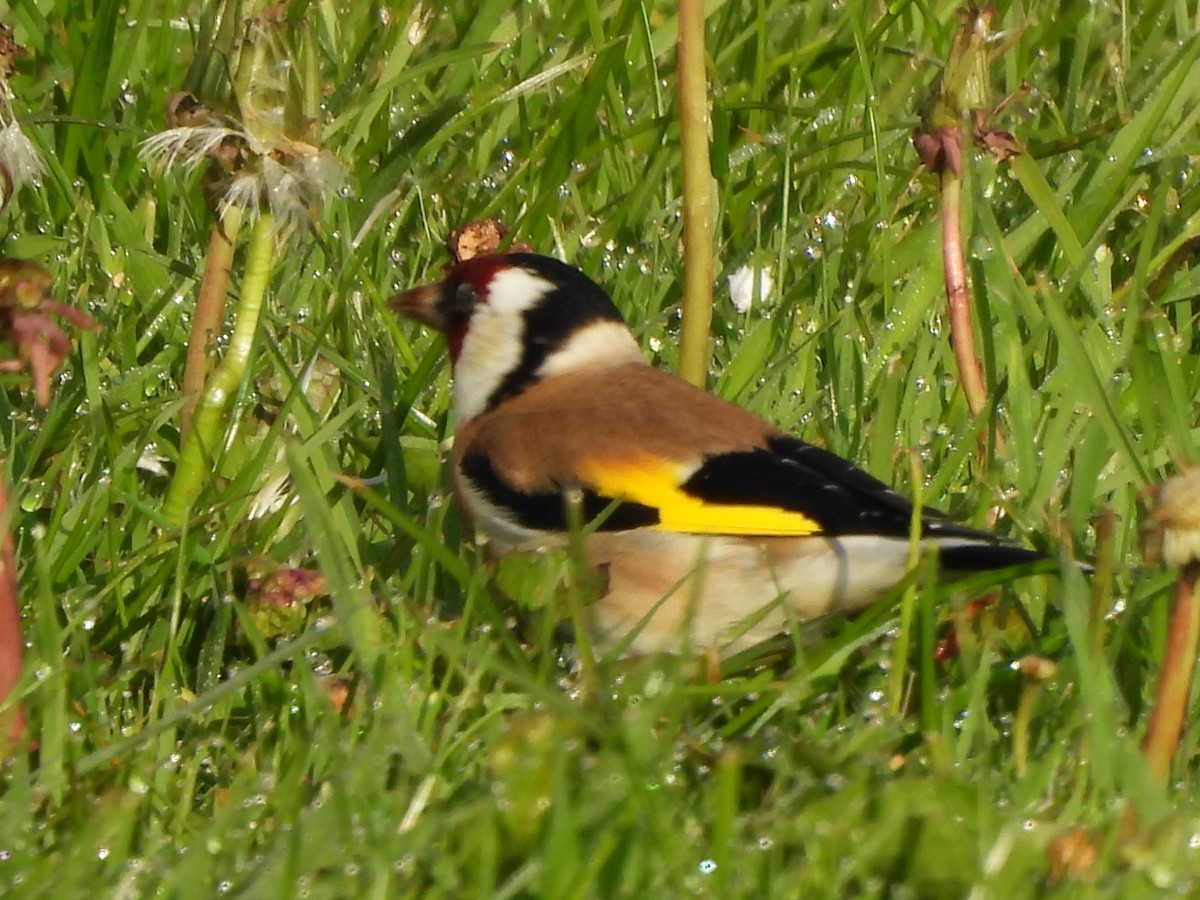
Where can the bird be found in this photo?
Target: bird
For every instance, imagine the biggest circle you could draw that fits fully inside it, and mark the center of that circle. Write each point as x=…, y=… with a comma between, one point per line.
x=711, y=529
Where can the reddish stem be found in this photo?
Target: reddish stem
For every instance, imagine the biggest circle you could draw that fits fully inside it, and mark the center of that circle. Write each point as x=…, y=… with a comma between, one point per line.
x=1179, y=659
x=958, y=295
x=210, y=306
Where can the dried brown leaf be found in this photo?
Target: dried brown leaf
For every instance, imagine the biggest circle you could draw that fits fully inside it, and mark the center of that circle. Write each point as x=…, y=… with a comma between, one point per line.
x=25, y=310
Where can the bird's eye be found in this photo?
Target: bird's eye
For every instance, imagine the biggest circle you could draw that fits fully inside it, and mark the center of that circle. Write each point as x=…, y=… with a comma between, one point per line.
x=462, y=301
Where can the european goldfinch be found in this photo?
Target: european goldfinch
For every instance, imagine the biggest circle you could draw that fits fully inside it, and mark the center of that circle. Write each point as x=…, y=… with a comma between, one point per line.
x=718, y=529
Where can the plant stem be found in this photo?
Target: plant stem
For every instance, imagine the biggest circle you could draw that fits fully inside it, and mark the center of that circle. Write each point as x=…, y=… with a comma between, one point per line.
x=210, y=302
x=958, y=295
x=578, y=583
x=1020, y=727
x=201, y=445
x=12, y=720
x=1102, y=579
x=1179, y=659
x=697, y=195
x=898, y=677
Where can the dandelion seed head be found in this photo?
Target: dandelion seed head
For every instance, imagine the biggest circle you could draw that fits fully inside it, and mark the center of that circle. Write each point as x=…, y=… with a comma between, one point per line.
x=243, y=191
x=261, y=159
x=185, y=147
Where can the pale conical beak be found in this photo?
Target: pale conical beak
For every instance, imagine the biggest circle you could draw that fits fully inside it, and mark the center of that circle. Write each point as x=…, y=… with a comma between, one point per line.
x=421, y=303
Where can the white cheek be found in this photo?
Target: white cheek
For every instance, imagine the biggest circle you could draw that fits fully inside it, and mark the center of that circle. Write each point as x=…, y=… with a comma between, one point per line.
x=598, y=344
x=492, y=348
x=494, y=344
x=513, y=291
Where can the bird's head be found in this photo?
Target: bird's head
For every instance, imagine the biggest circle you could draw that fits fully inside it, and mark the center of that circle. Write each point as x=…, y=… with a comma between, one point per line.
x=513, y=319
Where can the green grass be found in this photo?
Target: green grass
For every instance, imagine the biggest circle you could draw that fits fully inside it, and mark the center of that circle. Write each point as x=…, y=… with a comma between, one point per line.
x=187, y=741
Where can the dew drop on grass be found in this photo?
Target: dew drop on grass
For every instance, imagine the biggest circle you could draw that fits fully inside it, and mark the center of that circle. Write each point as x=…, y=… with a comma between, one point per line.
x=981, y=248
x=321, y=663
x=826, y=116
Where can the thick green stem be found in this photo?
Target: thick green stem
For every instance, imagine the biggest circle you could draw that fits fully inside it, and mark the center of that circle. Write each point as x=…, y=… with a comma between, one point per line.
x=697, y=195
x=210, y=303
x=1175, y=682
x=203, y=441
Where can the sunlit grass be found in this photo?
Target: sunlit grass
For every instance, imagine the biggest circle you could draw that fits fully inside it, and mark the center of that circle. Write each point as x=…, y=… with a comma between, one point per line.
x=412, y=733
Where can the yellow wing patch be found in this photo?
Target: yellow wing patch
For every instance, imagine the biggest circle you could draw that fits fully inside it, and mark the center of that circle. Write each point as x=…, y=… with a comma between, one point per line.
x=657, y=483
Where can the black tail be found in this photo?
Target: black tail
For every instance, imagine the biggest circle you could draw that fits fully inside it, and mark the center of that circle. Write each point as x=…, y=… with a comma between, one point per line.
x=980, y=556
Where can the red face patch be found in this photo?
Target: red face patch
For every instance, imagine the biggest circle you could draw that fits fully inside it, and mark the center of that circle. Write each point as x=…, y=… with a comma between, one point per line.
x=473, y=275
x=456, y=333
x=478, y=273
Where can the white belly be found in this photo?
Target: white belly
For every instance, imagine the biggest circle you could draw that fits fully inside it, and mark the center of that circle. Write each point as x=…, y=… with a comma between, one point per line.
x=692, y=593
